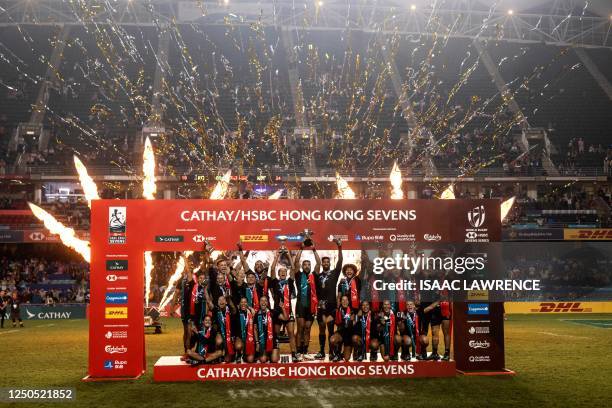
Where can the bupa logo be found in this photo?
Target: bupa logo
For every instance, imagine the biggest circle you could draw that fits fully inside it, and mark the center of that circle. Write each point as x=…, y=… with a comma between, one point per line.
x=561, y=307
x=476, y=216
x=478, y=308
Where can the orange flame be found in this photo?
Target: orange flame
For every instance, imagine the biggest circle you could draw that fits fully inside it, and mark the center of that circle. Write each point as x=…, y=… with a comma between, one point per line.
x=396, y=182
x=506, y=206
x=148, y=269
x=220, y=189
x=89, y=187
x=448, y=194
x=67, y=235
x=344, y=190
x=149, y=188
x=276, y=195
x=178, y=272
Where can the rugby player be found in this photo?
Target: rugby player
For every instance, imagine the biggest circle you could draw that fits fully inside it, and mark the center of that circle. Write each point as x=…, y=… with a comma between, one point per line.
x=223, y=325
x=341, y=341
x=244, y=341
x=206, y=344
x=194, y=300
x=307, y=301
x=326, y=292
x=282, y=289
x=365, y=338
x=267, y=343
x=388, y=332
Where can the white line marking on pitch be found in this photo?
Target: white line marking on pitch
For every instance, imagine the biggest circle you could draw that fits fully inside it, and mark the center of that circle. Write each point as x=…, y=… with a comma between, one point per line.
x=322, y=401
x=563, y=335
x=7, y=332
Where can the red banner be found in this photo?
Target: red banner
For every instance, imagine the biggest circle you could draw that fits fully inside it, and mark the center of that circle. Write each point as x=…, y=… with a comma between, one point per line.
x=121, y=230
x=169, y=368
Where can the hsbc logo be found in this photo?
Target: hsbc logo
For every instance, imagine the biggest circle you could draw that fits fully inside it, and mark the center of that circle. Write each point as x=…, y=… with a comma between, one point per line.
x=479, y=344
x=471, y=235
x=476, y=216
x=37, y=236
x=202, y=238
x=115, y=278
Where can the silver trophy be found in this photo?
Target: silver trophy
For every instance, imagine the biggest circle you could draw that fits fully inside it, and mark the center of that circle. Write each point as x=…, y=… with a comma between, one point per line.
x=306, y=235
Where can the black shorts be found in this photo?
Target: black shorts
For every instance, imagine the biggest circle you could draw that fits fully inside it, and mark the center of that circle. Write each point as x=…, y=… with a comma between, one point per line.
x=328, y=309
x=274, y=347
x=406, y=329
x=276, y=314
x=303, y=312
x=433, y=318
x=347, y=336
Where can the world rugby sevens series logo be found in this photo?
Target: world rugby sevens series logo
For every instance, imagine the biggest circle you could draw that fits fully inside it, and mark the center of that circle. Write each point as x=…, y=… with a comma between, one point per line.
x=476, y=216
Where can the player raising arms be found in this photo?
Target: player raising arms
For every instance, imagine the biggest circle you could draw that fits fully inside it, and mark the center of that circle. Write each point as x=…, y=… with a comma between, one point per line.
x=244, y=341
x=261, y=271
x=388, y=332
x=345, y=319
x=282, y=289
x=206, y=344
x=194, y=300
x=223, y=324
x=365, y=338
x=307, y=301
x=326, y=292
x=254, y=291
x=267, y=343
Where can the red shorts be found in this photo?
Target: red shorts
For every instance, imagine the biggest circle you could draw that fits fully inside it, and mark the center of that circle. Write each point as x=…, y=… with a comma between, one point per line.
x=445, y=310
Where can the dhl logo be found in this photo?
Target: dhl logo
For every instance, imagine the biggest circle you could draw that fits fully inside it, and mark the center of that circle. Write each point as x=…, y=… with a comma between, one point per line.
x=561, y=307
x=116, y=312
x=254, y=238
x=589, y=234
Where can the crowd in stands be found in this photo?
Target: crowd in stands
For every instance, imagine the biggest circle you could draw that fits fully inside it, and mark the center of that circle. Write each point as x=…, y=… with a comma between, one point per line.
x=37, y=278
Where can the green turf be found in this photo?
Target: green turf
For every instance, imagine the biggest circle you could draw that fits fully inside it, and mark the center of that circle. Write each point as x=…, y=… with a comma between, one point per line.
x=557, y=362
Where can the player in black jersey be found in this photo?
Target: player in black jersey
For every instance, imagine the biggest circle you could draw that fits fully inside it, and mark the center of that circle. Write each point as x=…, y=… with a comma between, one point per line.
x=307, y=301
x=267, y=343
x=243, y=330
x=429, y=314
x=205, y=344
x=261, y=270
x=408, y=330
x=223, y=318
x=350, y=285
x=254, y=291
x=194, y=300
x=388, y=332
x=238, y=286
x=326, y=291
x=365, y=338
x=282, y=289
x=342, y=340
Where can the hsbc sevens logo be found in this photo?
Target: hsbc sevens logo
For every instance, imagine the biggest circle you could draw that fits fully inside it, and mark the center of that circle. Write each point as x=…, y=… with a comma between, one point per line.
x=476, y=216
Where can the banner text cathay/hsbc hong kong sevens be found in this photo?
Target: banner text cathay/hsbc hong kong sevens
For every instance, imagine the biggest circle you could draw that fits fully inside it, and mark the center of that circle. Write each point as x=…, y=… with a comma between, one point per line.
x=122, y=230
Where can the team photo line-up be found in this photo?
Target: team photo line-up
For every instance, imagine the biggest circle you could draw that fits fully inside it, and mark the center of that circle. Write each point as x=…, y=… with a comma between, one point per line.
x=235, y=314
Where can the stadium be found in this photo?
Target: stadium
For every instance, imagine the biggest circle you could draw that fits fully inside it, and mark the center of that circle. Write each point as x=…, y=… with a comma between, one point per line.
x=133, y=270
